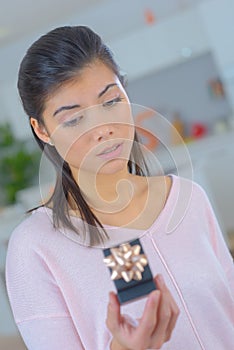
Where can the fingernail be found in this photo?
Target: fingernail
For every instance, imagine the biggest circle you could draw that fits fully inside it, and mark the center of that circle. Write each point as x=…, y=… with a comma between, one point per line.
x=111, y=300
x=155, y=296
x=161, y=280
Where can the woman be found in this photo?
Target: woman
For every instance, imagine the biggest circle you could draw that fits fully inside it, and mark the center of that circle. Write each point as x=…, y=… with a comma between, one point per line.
x=57, y=282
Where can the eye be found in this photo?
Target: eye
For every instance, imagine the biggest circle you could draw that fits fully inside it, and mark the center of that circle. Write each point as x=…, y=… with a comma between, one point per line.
x=73, y=122
x=112, y=102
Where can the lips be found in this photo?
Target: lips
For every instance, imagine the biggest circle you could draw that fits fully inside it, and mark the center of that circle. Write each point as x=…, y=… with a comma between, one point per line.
x=112, y=151
x=109, y=149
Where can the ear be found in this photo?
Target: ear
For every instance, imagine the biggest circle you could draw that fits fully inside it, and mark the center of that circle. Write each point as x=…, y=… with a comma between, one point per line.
x=39, y=130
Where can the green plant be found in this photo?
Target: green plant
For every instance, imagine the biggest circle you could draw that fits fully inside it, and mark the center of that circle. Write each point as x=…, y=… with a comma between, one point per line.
x=6, y=135
x=19, y=165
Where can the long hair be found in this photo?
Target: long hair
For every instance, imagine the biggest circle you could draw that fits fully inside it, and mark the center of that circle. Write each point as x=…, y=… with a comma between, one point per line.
x=55, y=58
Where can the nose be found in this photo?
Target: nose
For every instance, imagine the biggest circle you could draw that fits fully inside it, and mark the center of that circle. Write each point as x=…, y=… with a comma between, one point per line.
x=103, y=132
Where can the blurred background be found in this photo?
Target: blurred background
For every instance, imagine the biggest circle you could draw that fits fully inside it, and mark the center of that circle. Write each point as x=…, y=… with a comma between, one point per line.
x=179, y=59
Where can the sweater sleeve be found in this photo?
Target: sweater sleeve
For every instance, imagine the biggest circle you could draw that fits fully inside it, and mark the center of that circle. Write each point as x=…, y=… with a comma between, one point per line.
x=38, y=306
x=50, y=333
x=37, y=300
x=218, y=243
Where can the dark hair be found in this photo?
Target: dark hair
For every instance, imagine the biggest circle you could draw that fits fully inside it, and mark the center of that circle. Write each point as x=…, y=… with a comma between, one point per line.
x=53, y=59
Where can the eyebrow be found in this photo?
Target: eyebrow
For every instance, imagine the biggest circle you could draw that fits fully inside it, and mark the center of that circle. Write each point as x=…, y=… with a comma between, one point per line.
x=105, y=89
x=67, y=108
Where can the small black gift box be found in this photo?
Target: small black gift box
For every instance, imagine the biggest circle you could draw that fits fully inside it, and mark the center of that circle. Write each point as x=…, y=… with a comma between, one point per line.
x=130, y=270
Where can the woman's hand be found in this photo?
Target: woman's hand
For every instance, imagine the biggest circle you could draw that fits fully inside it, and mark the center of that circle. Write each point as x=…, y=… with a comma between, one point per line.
x=154, y=327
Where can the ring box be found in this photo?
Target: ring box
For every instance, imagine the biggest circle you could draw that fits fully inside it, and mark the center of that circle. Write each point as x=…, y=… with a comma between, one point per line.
x=130, y=271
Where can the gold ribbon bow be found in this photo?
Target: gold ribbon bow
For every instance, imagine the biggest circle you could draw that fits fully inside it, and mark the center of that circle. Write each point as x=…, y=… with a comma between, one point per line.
x=126, y=262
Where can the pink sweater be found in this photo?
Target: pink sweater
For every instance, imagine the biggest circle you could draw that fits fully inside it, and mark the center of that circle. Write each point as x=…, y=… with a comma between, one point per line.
x=58, y=288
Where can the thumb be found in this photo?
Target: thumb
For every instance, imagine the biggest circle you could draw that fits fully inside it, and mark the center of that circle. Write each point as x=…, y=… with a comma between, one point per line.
x=113, y=319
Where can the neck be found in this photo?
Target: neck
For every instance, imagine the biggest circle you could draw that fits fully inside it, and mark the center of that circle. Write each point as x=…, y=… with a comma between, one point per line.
x=108, y=192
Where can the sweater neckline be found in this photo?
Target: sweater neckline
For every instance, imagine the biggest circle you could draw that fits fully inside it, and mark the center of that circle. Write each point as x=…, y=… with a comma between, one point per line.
x=159, y=221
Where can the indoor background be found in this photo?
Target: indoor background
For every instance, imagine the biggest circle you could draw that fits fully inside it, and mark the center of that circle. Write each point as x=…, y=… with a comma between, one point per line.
x=178, y=57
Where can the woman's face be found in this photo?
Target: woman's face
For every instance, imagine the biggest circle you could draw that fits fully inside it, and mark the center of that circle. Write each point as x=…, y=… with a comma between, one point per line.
x=89, y=121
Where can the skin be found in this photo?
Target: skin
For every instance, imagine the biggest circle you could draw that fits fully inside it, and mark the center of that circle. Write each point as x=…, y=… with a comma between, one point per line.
x=82, y=118
x=155, y=326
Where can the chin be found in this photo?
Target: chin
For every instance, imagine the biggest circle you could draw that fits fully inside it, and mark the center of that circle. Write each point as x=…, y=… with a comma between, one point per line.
x=113, y=166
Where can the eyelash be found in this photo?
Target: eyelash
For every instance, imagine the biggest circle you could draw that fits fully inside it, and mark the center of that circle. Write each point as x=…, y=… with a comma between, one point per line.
x=75, y=121
x=72, y=122
x=112, y=102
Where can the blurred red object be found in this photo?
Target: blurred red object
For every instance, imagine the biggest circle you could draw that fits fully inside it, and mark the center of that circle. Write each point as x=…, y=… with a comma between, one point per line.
x=149, y=16
x=198, y=130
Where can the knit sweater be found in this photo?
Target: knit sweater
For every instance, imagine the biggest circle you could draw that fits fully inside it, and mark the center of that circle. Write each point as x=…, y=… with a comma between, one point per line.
x=58, y=287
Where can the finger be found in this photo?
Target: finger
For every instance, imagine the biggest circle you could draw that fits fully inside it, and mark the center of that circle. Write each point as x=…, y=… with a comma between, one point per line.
x=148, y=320
x=165, y=315
x=160, y=283
x=172, y=323
x=174, y=308
x=113, y=319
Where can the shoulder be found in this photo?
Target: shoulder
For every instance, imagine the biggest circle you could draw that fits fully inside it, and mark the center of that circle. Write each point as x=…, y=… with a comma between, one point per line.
x=174, y=186
x=34, y=229
x=177, y=183
x=187, y=203
x=189, y=196
x=182, y=192
x=38, y=221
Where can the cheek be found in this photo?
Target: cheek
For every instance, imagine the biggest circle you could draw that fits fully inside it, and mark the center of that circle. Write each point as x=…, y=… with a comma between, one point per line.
x=64, y=138
x=131, y=131
x=81, y=152
x=128, y=132
x=74, y=152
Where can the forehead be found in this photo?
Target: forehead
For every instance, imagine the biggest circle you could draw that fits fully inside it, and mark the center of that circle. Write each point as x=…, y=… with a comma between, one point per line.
x=84, y=88
x=89, y=81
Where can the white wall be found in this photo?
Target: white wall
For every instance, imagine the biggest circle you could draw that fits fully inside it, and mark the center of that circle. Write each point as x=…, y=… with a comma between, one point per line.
x=205, y=27
x=218, y=19
x=155, y=47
